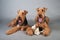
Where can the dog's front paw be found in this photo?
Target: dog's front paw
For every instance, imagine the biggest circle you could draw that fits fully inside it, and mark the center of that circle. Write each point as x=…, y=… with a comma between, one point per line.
x=29, y=31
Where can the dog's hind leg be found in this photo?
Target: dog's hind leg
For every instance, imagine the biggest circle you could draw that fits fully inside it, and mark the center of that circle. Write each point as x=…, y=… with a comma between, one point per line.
x=46, y=31
x=12, y=23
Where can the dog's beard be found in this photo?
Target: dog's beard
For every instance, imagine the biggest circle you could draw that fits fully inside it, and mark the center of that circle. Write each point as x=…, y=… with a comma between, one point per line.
x=19, y=21
x=40, y=20
x=41, y=17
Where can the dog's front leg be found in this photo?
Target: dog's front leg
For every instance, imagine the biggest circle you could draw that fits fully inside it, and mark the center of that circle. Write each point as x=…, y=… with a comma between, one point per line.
x=13, y=30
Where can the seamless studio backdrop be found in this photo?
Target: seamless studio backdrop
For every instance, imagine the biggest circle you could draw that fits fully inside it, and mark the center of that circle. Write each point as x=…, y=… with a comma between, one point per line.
x=8, y=11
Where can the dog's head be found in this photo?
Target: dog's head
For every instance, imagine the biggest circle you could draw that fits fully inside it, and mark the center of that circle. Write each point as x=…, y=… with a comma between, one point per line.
x=41, y=12
x=21, y=15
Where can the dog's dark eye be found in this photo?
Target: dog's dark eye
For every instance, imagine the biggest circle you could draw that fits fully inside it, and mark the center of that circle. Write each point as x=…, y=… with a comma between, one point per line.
x=38, y=10
x=42, y=10
x=22, y=13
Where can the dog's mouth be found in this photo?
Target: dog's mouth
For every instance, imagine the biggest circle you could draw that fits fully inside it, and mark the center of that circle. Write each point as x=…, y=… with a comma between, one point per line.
x=40, y=18
x=19, y=20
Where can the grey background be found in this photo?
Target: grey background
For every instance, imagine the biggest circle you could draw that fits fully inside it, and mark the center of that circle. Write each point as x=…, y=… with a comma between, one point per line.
x=8, y=11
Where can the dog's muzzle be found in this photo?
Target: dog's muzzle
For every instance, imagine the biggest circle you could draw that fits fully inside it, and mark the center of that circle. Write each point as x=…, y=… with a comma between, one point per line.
x=40, y=16
x=19, y=20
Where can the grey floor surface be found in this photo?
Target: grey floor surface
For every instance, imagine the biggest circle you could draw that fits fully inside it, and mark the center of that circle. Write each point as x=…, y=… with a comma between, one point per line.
x=20, y=35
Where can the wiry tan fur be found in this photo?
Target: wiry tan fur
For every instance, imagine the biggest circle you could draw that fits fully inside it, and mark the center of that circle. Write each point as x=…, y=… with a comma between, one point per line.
x=41, y=11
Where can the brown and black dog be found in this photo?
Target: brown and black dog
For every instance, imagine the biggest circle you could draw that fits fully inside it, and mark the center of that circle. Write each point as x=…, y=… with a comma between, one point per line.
x=19, y=23
x=42, y=20
x=41, y=26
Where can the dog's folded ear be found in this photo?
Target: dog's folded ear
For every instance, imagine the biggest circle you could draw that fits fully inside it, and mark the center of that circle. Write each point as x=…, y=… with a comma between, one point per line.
x=37, y=9
x=25, y=12
x=45, y=8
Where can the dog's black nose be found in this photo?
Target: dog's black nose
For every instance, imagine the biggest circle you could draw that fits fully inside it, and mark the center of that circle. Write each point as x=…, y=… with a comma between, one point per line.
x=19, y=17
x=40, y=16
